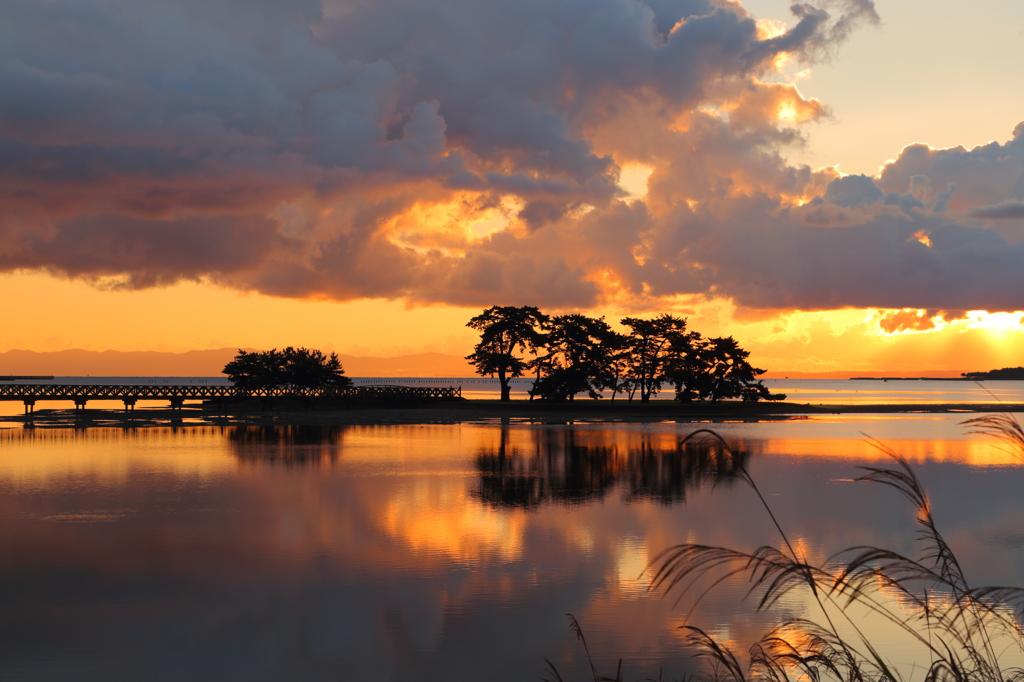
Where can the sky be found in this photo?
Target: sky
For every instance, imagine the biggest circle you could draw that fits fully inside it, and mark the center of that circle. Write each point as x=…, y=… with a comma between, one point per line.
x=839, y=185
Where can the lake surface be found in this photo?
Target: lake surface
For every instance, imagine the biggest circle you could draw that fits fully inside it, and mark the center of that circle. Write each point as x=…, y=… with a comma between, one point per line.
x=440, y=552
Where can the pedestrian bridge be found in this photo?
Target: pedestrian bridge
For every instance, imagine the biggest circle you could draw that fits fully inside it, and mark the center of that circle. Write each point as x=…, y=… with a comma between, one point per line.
x=130, y=394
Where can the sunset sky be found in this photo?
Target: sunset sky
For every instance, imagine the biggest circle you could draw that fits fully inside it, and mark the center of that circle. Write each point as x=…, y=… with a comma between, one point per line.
x=839, y=184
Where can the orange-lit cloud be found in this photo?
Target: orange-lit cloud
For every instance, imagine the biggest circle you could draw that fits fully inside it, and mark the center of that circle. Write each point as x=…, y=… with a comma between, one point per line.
x=916, y=320
x=302, y=150
x=616, y=157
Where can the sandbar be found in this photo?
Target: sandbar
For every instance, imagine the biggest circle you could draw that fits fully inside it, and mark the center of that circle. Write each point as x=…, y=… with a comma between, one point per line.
x=478, y=411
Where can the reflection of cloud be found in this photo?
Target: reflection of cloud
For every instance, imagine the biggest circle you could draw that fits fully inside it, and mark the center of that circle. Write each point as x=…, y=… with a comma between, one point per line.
x=892, y=622
x=631, y=562
x=308, y=542
x=108, y=456
x=434, y=516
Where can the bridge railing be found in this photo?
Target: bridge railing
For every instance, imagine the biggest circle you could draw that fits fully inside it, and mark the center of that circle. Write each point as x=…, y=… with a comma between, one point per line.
x=78, y=392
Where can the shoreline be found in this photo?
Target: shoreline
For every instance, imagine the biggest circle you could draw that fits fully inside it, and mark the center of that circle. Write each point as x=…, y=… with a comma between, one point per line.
x=473, y=411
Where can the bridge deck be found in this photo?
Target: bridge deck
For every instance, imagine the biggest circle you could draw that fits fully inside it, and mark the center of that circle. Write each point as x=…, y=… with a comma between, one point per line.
x=178, y=394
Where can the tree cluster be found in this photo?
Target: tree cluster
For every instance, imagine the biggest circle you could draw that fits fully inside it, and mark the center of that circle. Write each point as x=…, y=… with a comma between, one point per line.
x=574, y=354
x=294, y=369
x=1006, y=373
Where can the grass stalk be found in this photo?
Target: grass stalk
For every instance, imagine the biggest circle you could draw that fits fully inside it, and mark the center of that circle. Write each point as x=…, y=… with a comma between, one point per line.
x=965, y=632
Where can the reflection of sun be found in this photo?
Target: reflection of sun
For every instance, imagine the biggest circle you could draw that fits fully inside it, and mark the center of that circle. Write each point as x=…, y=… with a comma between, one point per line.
x=893, y=636
x=631, y=566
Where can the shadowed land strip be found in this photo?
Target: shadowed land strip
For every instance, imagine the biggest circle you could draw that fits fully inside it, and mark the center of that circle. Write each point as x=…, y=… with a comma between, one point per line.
x=283, y=411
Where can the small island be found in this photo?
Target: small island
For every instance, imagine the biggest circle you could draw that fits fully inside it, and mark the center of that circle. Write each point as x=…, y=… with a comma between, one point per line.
x=1004, y=374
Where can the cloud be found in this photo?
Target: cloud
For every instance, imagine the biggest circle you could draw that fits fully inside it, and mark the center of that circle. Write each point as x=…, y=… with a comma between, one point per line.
x=985, y=175
x=853, y=190
x=1011, y=209
x=345, y=149
x=916, y=320
x=777, y=262
x=143, y=253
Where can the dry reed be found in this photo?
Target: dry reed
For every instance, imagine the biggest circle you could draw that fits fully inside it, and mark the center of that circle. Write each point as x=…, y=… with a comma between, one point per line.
x=964, y=633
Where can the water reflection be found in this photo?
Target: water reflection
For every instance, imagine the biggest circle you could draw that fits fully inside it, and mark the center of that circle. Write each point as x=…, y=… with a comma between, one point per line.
x=432, y=552
x=573, y=467
x=295, y=445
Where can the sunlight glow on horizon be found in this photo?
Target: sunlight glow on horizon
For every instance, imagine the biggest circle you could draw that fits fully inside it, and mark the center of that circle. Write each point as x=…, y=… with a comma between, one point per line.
x=999, y=323
x=198, y=316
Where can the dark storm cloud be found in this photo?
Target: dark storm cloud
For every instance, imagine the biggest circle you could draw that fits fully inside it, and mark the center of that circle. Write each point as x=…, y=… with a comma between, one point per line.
x=149, y=252
x=986, y=175
x=883, y=263
x=856, y=245
x=1012, y=209
x=853, y=190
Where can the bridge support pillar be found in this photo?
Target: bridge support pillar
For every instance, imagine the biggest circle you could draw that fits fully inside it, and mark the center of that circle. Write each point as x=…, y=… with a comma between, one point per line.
x=30, y=405
x=129, y=404
x=80, y=404
x=176, y=403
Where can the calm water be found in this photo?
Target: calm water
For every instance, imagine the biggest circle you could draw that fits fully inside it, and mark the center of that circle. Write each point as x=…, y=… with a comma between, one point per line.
x=436, y=552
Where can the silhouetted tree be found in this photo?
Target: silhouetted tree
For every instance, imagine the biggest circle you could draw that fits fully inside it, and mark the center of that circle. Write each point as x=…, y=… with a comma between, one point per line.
x=688, y=368
x=310, y=368
x=254, y=371
x=505, y=331
x=653, y=345
x=615, y=375
x=575, y=354
x=716, y=369
x=291, y=368
x=578, y=359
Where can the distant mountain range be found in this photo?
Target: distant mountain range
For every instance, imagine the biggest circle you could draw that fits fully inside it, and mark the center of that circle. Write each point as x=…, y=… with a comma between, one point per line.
x=203, y=363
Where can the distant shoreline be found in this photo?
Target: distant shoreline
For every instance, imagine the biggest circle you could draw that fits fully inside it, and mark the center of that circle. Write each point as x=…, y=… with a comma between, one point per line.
x=920, y=379
x=977, y=376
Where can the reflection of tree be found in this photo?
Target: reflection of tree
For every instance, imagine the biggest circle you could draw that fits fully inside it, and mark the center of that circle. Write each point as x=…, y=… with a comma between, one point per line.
x=558, y=467
x=292, y=445
x=665, y=475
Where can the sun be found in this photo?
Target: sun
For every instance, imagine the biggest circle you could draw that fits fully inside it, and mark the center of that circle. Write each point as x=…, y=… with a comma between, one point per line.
x=996, y=323
x=633, y=179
